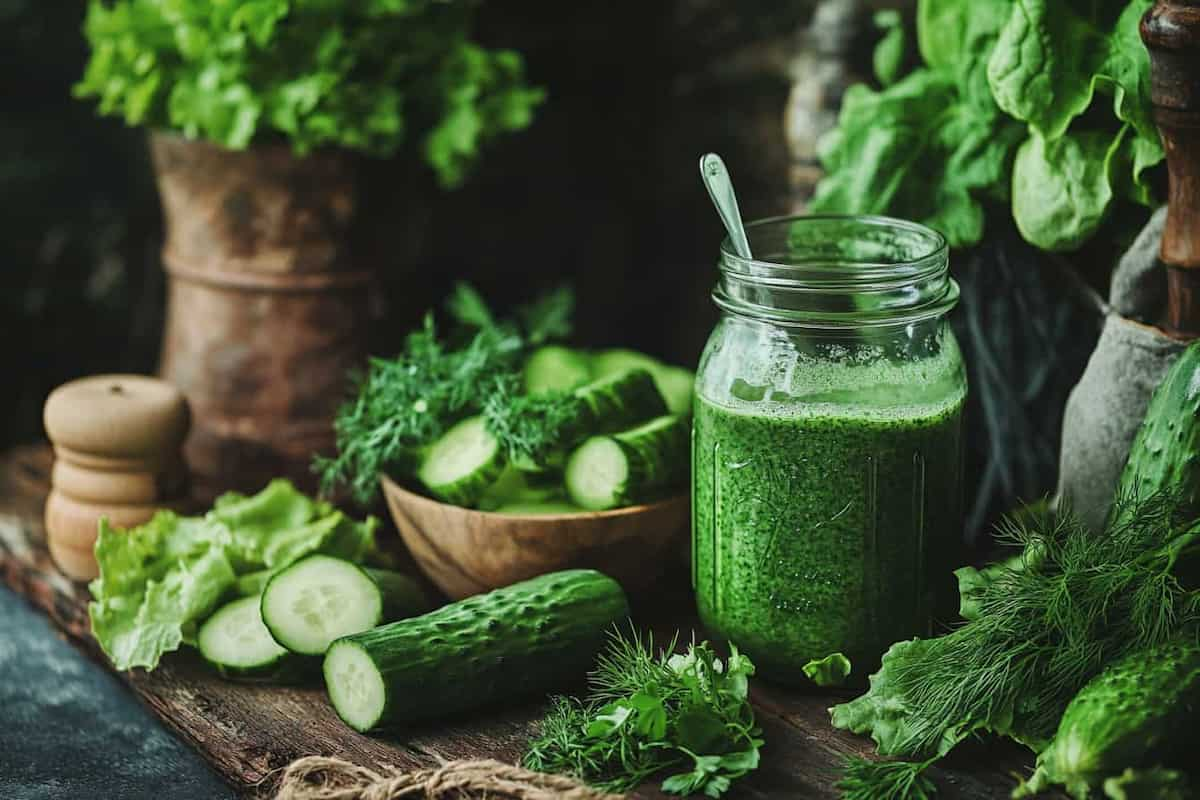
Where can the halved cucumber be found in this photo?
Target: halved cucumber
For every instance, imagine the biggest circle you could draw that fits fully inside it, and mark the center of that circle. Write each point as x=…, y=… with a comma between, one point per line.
x=556, y=368
x=462, y=463
x=320, y=598
x=675, y=383
x=237, y=643
x=630, y=467
x=620, y=401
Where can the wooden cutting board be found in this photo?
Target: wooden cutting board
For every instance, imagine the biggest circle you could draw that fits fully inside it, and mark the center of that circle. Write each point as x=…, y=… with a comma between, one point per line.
x=248, y=731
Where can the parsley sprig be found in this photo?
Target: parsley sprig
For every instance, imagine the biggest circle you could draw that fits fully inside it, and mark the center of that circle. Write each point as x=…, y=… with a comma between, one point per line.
x=400, y=405
x=647, y=714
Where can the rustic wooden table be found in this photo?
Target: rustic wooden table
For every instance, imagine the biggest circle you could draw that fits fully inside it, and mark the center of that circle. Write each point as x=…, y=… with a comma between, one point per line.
x=247, y=732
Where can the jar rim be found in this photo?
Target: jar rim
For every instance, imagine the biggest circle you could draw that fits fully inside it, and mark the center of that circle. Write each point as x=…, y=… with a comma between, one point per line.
x=866, y=270
x=837, y=271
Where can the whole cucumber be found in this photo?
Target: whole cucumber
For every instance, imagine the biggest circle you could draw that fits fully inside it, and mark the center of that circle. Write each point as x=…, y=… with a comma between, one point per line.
x=1165, y=454
x=522, y=640
x=1138, y=712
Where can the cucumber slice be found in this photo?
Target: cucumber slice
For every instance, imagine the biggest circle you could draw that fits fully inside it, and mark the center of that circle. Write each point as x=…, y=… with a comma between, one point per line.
x=462, y=463
x=537, y=508
x=318, y=599
x=620, y=401
x=630, y=467
x=556, y=368
x=237, y=643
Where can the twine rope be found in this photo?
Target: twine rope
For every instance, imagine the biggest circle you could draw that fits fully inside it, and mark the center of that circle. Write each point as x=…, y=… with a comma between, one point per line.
x=323, y=778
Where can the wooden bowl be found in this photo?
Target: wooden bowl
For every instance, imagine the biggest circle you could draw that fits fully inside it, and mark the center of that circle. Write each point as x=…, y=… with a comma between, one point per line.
x=465, y=552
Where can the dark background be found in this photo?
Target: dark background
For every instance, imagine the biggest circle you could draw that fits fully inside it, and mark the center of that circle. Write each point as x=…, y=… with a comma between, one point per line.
x=602, y=193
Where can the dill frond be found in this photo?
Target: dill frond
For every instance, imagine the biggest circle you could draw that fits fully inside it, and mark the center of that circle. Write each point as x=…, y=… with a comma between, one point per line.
x=863, y=779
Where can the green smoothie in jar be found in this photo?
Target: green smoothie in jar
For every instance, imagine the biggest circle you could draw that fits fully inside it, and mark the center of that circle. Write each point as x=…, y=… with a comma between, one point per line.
x=827, y=444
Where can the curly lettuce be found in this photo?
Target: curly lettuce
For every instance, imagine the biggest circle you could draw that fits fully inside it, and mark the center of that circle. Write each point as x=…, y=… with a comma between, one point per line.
x=158, y=581
x=364, y=75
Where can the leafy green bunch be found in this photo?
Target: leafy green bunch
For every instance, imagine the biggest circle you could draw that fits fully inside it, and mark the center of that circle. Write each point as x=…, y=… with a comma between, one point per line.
x=358, y=74
x=1040, y=105
x=1038, y=629
x=647, y=714
x=400, y=405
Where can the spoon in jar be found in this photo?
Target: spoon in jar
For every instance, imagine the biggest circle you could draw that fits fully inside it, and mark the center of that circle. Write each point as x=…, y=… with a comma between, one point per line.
x=720, y=189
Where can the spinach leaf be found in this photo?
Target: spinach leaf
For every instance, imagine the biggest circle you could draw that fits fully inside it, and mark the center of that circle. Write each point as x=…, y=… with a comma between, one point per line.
x=1062, y=187
x=1053, y=57
x=889, y=53
x=1044, y=106
x=918, y=147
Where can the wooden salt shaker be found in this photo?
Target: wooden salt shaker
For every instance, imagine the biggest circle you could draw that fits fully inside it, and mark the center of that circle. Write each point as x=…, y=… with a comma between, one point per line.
x=117, y=442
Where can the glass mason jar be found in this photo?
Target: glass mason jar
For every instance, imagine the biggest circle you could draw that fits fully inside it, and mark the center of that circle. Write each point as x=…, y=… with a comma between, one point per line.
x=827, y=443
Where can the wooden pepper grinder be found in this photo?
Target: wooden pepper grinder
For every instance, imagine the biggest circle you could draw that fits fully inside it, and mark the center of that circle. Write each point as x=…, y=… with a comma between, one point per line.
x=1171, y=32
x=117, y=445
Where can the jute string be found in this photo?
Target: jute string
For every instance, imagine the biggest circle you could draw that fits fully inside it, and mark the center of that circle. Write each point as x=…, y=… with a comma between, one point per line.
x=321, y=778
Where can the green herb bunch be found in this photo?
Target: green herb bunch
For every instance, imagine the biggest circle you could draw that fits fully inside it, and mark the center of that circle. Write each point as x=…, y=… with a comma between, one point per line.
x=648, y=714
x=1039, y=629
x=400, y=405
x=1040, y=106
x=363, y=75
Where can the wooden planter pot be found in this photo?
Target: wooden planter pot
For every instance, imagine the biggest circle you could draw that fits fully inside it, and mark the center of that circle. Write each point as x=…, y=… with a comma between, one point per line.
x=266, y=309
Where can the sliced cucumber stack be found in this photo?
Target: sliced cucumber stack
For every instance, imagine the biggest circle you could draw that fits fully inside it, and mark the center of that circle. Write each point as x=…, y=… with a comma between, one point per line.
x=320, y=598
x=556, y=368
x=237, y=643
x=461, y=464
x=630, y=467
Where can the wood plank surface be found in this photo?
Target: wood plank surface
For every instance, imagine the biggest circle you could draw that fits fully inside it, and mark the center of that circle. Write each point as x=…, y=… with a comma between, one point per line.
x=250, y=731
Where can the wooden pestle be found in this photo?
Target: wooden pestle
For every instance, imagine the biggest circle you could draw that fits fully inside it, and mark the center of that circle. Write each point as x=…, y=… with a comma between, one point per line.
x=1171, y=32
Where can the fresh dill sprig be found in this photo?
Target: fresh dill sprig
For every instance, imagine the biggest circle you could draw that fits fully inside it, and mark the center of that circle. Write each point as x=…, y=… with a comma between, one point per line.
x=398, y=406
x=1042, y=627
x=863, y=779
x=530, y=427
x=548, y=318
x=646, y=714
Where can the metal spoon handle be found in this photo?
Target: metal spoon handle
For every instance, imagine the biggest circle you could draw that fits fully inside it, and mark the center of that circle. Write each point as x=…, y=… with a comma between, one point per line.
x=720, y=189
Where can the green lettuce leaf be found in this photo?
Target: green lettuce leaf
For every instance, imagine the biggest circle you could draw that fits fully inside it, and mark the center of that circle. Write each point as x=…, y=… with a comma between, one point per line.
x=832, y=670
x=368, y=75
x=158, y=581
